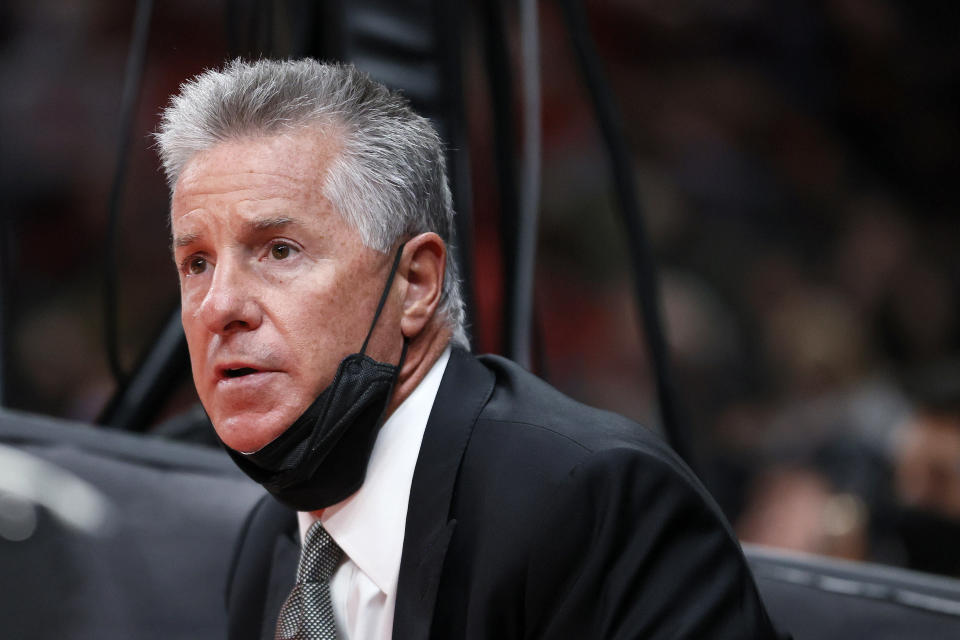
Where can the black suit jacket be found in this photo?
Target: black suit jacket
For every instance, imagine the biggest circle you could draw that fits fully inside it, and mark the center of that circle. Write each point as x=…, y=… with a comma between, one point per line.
x=534, y=516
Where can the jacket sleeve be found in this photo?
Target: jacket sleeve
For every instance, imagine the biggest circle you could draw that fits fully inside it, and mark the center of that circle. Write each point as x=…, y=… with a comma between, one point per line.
x=632, y=546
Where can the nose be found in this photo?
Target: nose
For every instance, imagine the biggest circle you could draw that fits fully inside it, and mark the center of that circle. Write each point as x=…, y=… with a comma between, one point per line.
x=230, y=303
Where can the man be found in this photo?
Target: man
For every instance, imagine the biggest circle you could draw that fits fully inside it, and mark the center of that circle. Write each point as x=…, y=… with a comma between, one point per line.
x=458, y=497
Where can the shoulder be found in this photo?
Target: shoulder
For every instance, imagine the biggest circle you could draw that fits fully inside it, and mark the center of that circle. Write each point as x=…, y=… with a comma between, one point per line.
x=521, y=397
x=533, y=446
x=609, y=533
x=527, y=414
x=640, y=531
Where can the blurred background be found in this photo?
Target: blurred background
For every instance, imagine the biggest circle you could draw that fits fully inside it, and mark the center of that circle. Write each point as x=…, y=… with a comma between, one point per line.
x=797, y=166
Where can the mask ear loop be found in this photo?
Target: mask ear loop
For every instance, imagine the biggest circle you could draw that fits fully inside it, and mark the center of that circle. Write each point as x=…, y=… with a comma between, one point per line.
x=383, y=300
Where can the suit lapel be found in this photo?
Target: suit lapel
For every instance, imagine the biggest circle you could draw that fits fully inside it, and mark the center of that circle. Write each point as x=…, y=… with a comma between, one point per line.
x=253, y=572
x=463, y=392
x=283, y=575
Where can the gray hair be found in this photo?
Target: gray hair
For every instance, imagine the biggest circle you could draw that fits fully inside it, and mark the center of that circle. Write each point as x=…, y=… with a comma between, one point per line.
x=389, y=178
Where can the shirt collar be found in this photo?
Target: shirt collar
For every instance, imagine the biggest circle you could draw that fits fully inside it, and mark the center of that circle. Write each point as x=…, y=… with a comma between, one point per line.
x=369, y=525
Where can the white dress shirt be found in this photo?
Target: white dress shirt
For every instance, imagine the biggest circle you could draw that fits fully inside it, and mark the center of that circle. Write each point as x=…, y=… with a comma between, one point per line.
x=369, y=525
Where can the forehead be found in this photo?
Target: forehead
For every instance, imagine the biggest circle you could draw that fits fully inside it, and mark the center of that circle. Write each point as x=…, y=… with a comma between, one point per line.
x=303, y=154
x=256, y=175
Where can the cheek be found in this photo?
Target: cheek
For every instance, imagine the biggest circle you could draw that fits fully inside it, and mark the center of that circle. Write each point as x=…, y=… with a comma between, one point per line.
x=190, y=323
x=311, y=342
x=191, y=296
x=319, y=338
x=197, y=342
x=319, y=313
x=198, y=360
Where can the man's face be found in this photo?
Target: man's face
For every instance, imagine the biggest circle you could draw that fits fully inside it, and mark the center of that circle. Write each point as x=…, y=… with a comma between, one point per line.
x=275, y=287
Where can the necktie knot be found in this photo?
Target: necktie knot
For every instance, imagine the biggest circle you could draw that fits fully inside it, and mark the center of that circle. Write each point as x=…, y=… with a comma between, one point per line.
x=307, y=613
x=320, y=556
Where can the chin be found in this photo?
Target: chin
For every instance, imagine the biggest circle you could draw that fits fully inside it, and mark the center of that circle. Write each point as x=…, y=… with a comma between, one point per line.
x=249, y=433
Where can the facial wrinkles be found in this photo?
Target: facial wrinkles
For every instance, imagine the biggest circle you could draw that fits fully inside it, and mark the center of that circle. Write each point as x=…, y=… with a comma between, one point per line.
x=275, y=344
x=245, y=185
x=255, y=289
x=231, y=261
x=310, y=311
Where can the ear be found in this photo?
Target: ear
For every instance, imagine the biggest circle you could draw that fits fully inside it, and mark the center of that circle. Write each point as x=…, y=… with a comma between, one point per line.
x=424, y=263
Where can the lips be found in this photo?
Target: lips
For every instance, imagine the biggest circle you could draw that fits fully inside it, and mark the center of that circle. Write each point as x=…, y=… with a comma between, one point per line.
x=238, y=371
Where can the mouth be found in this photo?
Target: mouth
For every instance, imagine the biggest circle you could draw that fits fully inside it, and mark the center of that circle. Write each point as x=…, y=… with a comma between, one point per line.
x=238, y=372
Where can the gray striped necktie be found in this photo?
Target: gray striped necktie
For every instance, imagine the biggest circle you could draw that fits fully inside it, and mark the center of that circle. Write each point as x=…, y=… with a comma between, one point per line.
x=307, y=613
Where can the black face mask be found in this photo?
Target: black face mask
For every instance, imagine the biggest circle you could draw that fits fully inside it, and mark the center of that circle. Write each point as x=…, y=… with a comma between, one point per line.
x=322, y=457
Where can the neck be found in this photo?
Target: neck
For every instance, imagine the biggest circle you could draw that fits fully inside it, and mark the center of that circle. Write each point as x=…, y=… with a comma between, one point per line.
x=422, y=353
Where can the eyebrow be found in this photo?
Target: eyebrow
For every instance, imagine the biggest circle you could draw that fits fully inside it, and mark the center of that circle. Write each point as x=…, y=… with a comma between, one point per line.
x=269, y=224
x=256, y=226
x=185, y=240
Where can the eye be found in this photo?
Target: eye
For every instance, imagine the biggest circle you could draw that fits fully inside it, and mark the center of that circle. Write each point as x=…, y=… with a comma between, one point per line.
x=281, y=250
x=195, y=265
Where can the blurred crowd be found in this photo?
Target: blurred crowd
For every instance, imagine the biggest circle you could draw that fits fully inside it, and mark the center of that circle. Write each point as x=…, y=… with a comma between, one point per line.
x=798, y=175
x=798, y=169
